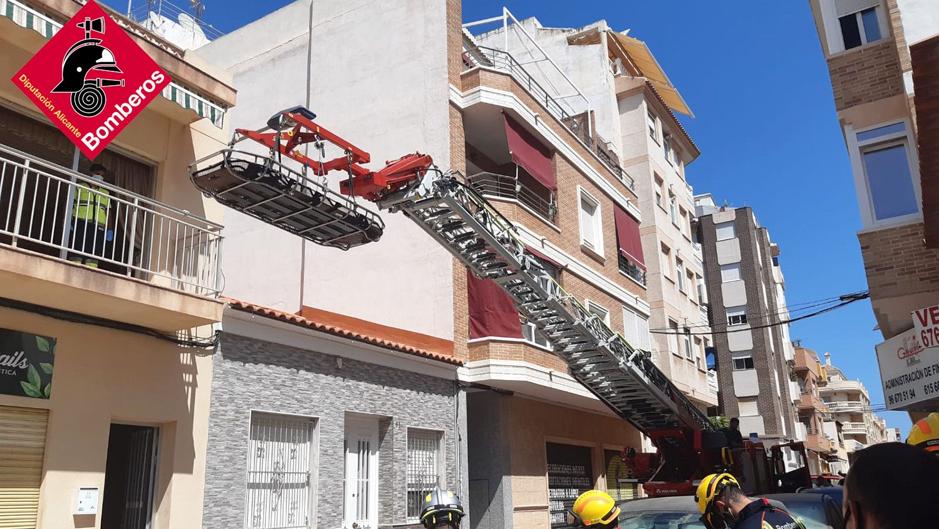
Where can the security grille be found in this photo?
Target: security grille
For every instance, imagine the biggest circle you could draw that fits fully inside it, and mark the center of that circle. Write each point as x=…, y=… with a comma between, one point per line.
x=280, y=460
x=423, y=468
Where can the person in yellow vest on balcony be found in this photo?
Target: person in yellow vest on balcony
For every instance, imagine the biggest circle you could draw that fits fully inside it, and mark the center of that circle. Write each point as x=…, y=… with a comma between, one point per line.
x=90, y=219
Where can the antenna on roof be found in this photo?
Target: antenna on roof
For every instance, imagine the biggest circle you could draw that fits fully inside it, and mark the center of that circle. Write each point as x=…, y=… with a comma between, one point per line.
x=198, y=8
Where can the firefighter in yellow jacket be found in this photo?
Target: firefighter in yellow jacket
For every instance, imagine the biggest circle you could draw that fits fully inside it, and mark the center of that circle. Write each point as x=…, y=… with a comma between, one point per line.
x=90, y=208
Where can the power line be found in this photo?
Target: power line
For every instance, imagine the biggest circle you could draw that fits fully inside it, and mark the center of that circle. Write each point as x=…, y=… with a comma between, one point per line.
x=789, y=310
x=847, y=299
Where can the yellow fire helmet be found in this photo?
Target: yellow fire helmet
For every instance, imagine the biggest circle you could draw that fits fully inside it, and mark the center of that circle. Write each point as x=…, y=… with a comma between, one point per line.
x=711, y=487
x=593, y=507
x=925, y=433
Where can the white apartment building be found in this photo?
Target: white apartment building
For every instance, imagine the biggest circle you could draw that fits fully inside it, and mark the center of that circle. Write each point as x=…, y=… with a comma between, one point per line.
x=850, y=406
x=625, y=105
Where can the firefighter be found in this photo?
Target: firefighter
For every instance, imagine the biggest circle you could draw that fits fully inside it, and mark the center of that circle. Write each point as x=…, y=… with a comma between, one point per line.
x=595, y=509
x=723, y=504
x=925, y=433
x=90, y=219
x=442, y=508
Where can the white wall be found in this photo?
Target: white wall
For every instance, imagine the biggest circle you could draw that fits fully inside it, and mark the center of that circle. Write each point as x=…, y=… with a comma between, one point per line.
x=378, y=79
x=920, y=19
x=746, y=384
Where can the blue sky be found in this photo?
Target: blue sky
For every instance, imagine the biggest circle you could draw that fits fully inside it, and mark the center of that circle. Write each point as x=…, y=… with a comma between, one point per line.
x=754, y=75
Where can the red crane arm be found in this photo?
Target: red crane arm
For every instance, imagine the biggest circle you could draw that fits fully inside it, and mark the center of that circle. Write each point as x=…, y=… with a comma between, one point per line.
x=363, y=182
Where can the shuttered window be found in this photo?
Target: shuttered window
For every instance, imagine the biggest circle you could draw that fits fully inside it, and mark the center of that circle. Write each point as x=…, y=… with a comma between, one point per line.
x=22, y=444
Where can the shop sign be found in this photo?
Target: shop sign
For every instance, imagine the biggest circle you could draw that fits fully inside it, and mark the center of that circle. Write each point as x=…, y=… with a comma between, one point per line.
x=926, y=326
x=909, y=372
x=26, y=364
x=569, y=475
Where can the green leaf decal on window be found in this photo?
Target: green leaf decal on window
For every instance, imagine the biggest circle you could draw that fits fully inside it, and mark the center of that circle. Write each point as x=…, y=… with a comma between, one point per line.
x=30, y=390
x=46, y=368
x=33, y=376
x=47, y=391
x=42, y=344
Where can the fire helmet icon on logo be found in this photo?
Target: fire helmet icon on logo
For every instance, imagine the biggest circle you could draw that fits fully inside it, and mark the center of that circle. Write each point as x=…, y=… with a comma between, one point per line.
x=88, y=54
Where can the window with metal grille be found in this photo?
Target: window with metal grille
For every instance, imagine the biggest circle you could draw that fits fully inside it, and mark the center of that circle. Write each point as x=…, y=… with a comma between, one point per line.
x=424, y=468
x=280, y=461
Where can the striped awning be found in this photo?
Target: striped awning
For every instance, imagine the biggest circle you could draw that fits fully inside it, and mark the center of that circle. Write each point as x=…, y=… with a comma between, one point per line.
x=29, y=18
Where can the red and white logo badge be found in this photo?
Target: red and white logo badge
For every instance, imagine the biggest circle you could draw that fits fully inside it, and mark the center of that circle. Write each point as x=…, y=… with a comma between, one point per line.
x=91, y=79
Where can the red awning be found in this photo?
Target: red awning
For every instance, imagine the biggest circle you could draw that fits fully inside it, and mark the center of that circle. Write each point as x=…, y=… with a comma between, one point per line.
x=543, y=257
x=529, y=154
x=491, y=311
x=627, y=236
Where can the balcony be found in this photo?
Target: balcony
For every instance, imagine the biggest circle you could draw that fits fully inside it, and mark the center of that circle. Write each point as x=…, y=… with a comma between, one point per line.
x=819, y=443
x=146, y=262
x=854, y=406
x=537, y=199
x=810, y=401
x=576, y=121
x=631, y=269
x=854, y=428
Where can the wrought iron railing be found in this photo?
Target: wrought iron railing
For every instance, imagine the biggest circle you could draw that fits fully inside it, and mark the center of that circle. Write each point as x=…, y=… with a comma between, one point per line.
x=504, y=186
x=575, y=122
x=116, y=230
x=632, y=270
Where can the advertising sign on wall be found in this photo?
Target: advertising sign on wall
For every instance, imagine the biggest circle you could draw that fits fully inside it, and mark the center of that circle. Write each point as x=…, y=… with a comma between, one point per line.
x=26, y=364
x=909, y=372
x=569, y=475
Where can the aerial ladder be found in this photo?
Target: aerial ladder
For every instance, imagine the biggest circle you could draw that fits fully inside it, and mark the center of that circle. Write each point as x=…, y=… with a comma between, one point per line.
x=473, y=231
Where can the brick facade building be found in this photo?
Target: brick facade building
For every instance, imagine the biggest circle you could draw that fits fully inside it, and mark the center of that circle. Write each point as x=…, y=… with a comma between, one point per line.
x=874, y=77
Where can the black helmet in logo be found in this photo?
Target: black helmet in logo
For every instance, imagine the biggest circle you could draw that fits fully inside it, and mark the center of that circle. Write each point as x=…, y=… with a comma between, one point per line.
x=84, y=56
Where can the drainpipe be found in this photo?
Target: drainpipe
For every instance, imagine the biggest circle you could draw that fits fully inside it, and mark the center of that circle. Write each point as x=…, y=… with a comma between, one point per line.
x=306, y=100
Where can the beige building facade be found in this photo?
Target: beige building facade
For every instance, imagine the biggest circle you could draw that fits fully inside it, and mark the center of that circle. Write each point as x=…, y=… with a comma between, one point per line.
x=110, y=427
x=877, y=52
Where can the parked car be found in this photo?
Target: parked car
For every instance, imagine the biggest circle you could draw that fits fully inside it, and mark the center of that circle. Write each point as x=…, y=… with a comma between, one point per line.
x=836, y=492
x=678, y=512
x=815, y=511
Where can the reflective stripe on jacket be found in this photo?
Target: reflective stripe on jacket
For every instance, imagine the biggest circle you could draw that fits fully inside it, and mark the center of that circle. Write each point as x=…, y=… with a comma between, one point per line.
x=91, y=205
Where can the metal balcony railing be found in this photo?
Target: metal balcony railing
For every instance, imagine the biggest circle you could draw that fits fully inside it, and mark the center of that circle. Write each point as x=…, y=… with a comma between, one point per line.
x=632, y=270
x=576, y=123
x=846, y=405
x=504, y=186
x=120, y=231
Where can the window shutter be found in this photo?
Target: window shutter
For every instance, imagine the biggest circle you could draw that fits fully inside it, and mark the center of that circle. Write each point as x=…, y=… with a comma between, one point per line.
x=22, y=445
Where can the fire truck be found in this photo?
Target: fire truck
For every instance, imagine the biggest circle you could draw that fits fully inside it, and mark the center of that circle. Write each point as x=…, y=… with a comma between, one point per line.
x=284, y=185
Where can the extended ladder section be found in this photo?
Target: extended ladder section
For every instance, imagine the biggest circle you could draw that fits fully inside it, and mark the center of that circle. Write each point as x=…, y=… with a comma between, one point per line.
x=624, y=378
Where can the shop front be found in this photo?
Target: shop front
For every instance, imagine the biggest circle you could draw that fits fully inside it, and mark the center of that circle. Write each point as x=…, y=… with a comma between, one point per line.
x=530, y=459
x=99, y=427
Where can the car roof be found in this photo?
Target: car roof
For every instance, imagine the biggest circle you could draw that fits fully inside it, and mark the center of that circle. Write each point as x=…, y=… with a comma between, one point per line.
x=795, y=497
x=667, y=503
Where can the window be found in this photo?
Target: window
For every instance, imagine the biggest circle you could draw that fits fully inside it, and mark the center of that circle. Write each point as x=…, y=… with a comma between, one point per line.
x=658, y=191
x=680, y=274
x=652, y=123
x=699, y=358
x=673, y=208
x=730, y=272
x=667, y=144
x=424, y=468
x=860, y=28
x=737, y=315
x=889, y=180
x=532, y=335
x=591, y=229
x=673, y=337
x=636, y=329
x=689, y=352
x=702, y=290
x=684, y=220
x=725, y=230
x=666, y=262
x=743, y=362
x=600, y=311
x=280, y=450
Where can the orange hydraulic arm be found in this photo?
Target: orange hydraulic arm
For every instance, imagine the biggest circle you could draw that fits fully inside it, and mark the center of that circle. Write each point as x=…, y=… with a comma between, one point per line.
x=292, y=128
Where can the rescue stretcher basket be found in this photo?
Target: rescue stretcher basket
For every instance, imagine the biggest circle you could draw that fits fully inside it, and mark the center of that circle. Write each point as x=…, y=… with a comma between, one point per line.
x=273, y=193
